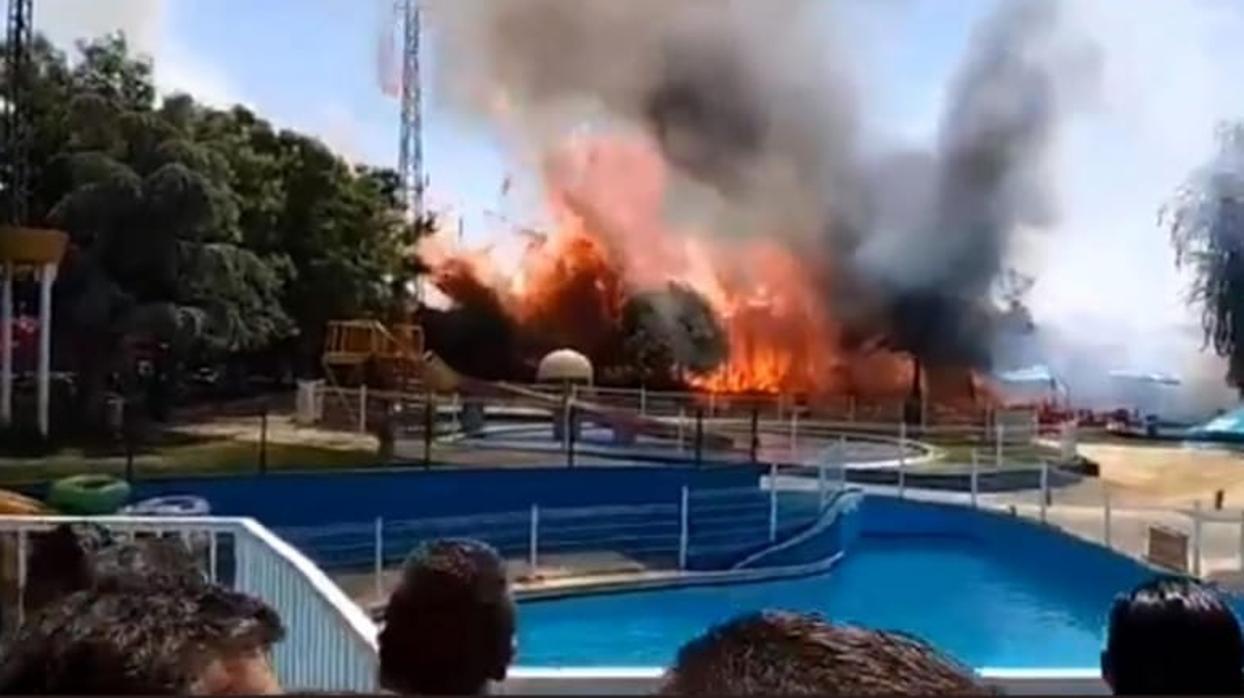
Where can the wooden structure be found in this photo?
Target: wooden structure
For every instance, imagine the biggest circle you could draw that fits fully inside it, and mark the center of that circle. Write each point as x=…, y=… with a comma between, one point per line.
x=366, y=352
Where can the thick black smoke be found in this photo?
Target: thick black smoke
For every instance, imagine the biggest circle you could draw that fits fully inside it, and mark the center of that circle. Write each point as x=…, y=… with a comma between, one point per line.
x=753, y=106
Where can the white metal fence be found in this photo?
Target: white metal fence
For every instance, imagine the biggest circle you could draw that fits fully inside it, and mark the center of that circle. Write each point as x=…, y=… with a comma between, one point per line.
x=696, y=530
x=330, y=643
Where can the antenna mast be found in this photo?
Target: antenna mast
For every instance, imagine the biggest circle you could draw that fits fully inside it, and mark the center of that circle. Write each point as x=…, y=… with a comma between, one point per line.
x=410, y=158
x=18, y=38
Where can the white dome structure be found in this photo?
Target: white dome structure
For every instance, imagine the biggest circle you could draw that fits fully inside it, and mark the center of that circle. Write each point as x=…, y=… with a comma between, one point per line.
x=564, y=366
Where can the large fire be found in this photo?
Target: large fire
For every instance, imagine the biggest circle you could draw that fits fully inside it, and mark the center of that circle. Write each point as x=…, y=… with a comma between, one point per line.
x=612, y=238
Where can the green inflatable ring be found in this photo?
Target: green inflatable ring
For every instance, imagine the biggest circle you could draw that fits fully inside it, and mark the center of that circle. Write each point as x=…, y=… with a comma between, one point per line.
x=89, y=495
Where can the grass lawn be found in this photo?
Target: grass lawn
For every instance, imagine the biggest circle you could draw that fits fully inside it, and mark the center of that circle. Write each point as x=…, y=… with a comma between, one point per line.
x=199, y=458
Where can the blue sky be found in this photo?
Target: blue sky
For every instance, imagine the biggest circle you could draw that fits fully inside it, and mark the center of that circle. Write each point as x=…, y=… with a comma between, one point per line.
x=1171, y=72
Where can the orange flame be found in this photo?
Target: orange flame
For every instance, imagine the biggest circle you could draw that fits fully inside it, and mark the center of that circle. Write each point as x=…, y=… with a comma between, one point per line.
x=611, y=239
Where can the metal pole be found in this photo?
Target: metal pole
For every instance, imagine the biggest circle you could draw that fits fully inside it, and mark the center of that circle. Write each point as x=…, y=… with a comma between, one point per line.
x=755, y=448
x=821, y=485
x=429, y=428
x=643, y=402
x=902, y=458
x=682, y=428
x=1045, y=488
x=43, y=384
x=533, y=540
x=263, y=440
x=6, y=346
x=975, y=477
x=842, y=461
x=773, y=502
x=794, y=433
x=456, y=411
x=570, y=437
x=378, y=572
x=213, y=555
x=363, y=409
x=1196, y=538
x=1106, y=513
x=21, y=576
x=1242, y=540
x=997, y=448
x=684, y=529
x=699, y=436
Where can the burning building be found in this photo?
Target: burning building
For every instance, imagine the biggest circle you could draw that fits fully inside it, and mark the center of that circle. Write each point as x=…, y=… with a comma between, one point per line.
x=714, y=213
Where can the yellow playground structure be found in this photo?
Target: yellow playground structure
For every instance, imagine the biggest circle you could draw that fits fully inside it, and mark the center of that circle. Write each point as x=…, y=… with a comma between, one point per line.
x=388, y=357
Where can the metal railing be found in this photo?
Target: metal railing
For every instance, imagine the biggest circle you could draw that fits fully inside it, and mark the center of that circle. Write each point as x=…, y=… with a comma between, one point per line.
x=1197, y=533
x=330, y=643
x=696, y=530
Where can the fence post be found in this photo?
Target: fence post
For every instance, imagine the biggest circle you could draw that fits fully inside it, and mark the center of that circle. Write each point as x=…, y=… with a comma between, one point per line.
x=699, y=434
x=22, y=549
x=378, y=572
x=1106, y=513
x=755, y=448
x=975, y=477
x=683, y=528
x=1196, y=538
x=842, y=461
x=456, y=412
x=363, y=409
x=1045, y=488
x=820, y=485
x=571, y=428
x=682, y=428
x=429, y=428
x=773, y=502
x=902, y=458
x=997, y=446
x=263, y=439
x=794, y=433
x=213, y=557
x=643, y=401
x=1242, y=540
x=533, y=540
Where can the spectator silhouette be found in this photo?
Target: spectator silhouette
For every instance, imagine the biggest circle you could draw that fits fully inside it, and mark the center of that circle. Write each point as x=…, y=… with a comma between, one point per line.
x=449, y=626
x=124, y=638
x=1173, y=636
x=779, y=653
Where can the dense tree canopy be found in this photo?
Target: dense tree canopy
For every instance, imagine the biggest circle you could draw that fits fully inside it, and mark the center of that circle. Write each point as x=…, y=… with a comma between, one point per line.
x=205, y=230
x=671, y=331
x=1206, y=222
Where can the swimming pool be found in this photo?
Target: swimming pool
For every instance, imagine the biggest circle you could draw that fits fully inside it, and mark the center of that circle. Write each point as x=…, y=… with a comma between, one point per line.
x=992, y=591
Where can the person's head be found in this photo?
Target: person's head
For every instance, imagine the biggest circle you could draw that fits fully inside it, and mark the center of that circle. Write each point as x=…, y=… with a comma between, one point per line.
x=61, y=562
x=1173, y=636
x=194, y=639
x=779, y=653
x=449, y=625
x=165, y=561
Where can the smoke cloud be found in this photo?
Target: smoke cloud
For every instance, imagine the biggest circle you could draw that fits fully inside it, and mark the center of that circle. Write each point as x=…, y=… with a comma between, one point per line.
x=755, y=111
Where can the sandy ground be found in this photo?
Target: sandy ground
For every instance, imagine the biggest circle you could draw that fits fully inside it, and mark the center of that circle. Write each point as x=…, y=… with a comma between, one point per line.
x=1169, y=475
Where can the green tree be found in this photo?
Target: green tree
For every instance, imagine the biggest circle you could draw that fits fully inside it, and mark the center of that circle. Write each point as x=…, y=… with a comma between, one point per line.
x=203, y=229
x=670, y=331
x=1206, y=224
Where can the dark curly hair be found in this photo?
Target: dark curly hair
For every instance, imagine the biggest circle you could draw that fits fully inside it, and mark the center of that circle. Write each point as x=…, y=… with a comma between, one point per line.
x=449, y=626
x=779, y=653
x=134, y=640
x=1173, y=636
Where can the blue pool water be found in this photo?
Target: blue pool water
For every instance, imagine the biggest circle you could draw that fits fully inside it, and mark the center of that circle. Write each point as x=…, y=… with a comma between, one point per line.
x=986, y=604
